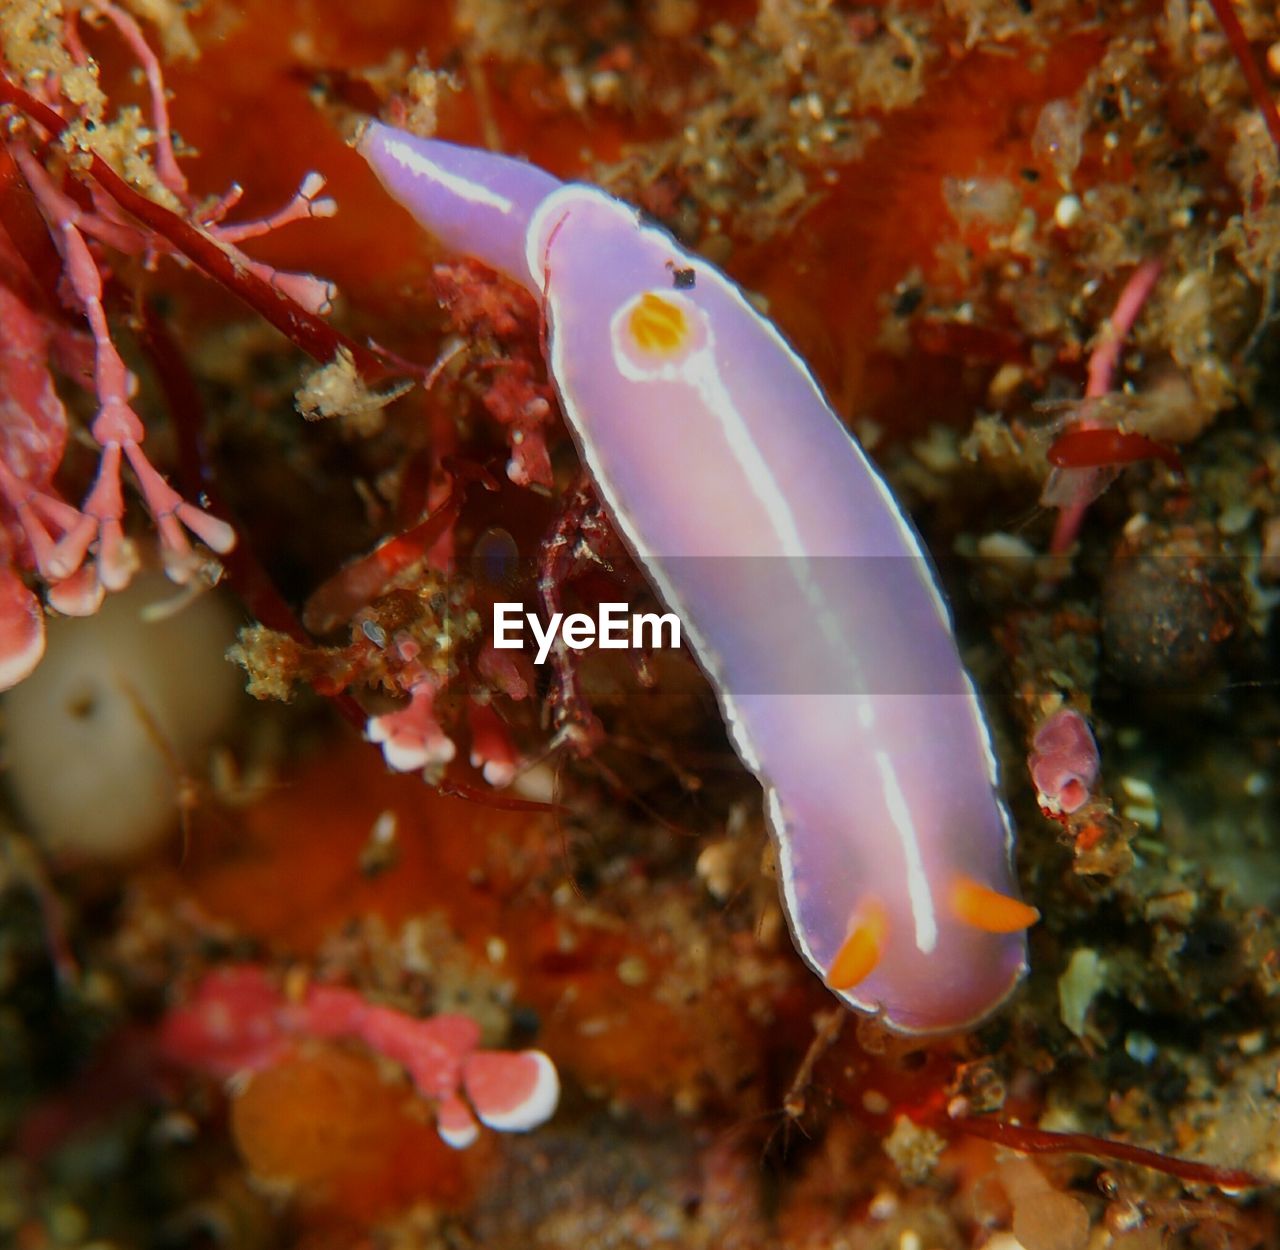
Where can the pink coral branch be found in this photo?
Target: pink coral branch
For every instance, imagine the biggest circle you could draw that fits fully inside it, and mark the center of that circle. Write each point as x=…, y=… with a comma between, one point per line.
x=1106, y=354
x=54, y=263
x=492, y=750
x=167, y=167
x=118, y=428
x=411, y=737
x=238, y=1021
x=21, y=629
x=222, y=263
x=60, y=207
x=306, y=203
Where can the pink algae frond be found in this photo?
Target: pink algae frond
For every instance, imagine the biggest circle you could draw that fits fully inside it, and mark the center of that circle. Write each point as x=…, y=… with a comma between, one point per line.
x=411, y=737
x=493, y=752
x=21, y=629
x=237, y=1021
x=506, y=365
x=80, y=553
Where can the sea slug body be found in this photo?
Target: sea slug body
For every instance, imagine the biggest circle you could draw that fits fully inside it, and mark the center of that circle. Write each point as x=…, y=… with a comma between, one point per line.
x=805, y=593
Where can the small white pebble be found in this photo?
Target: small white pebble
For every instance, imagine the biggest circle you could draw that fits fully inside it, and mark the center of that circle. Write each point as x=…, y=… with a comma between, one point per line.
x=883, y=1205
x=1007, y=379
x=1136, y=524
x=1138, y=790
x=383, y=832
x=495, y=950
x=909, y=1240
x=1001, y=546
x=1256, y=785
x=1084, y=977
x=633, y=971
x=715, y=867
x=1235, y=518
x=1067, y=211
x=1142, y=814
x=874, y=1102
x=1140, y=1048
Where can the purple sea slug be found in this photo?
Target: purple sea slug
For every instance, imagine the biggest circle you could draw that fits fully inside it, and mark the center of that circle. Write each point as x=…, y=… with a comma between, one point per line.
x=805, y=593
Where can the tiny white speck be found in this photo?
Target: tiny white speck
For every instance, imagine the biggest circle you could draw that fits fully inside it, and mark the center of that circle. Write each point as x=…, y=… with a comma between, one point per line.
x=384, y=828
x=1067, y=211
x=1138, y=790
x=1140, y=1048
x=1142, y=814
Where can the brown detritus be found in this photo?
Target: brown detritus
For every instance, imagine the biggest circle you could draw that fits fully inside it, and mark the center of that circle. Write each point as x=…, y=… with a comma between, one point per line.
x=336, y=391
x=1044, y=1218
x=915, y=1150
x=436, y=617
x=1172, y=602
x=781, y=102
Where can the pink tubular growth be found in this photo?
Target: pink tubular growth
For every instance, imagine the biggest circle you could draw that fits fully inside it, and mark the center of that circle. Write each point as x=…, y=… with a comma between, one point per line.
x=1064, y=763
x=1073, y=490
x=492, y=750
x=238, y=1021
x=21, y=629
x=167, y=168
x=411, y=737
x=117, y=428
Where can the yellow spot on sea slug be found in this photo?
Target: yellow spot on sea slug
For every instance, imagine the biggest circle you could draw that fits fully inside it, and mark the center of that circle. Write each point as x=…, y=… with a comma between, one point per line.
x=988, y=909
x=857, y=958
x=658, y=325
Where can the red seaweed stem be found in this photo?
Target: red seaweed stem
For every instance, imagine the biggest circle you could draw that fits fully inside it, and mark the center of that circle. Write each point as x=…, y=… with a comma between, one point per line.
x=1078, y=486
x=1239, y=42
x=1031, y=1140
x=305, y=329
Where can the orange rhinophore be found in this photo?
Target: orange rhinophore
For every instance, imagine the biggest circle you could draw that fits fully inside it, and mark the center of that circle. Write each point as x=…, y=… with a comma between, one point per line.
x=857, y=958
x=988, y=909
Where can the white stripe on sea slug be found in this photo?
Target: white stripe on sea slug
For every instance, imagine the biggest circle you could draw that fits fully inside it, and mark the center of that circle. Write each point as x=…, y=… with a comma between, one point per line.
x=464, y=188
